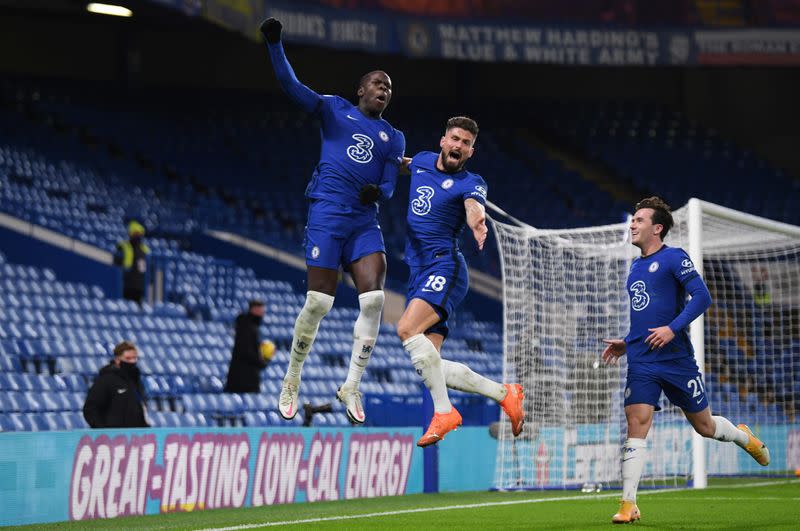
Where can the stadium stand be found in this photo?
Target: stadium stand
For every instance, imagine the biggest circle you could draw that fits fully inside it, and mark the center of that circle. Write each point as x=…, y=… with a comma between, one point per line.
x=81, y=168
x=56, y=335
x=651, y=146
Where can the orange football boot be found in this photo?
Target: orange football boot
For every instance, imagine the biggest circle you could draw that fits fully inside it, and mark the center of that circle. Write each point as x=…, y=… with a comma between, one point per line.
x=628, y=512
x=512, y=405
x=441, y=425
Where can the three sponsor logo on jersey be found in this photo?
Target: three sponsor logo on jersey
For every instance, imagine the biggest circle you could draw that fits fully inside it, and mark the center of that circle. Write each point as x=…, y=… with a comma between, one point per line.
x=422, y=205
x=641, y=298
x=361, y=151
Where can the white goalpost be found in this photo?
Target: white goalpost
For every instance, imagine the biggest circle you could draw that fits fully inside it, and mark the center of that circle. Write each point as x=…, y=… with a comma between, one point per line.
x=564, y=291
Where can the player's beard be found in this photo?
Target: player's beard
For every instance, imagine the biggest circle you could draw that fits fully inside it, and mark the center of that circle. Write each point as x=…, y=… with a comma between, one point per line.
x=449, y=165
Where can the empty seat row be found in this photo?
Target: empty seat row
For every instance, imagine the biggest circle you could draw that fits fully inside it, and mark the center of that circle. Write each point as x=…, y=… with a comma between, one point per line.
x=42, y=421
x=18, y=401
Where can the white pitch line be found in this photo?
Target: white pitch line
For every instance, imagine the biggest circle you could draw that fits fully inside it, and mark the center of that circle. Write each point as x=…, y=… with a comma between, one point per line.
x=731, y=498
x=473, y=506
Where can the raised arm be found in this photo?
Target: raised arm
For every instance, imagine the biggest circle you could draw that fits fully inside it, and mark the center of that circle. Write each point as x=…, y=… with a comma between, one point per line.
x=476, y=219
x=303, y=96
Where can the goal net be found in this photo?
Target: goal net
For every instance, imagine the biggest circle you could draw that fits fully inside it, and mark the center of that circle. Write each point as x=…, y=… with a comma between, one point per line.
x=564, y=291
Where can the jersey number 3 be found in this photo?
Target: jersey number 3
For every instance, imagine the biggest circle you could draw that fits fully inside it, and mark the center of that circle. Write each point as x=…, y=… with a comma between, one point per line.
x=640, y=298
x=361, y=151
x=422, y=205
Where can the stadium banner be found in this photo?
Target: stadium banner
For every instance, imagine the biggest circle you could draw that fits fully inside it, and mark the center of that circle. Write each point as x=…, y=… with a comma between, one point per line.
x=591, y=453
x=748, y=47
x=498, y=41
x=81, y=475
x=479, y=447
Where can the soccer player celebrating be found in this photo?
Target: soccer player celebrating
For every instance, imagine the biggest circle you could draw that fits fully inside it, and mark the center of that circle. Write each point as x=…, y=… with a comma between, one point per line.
x=361, y=155
x=660, y=356
x=443, y=197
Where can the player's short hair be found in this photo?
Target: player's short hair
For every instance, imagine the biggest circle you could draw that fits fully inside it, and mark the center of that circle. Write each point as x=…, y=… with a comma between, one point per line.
x=254, y=303
x=122, y=348
x=463, y=122
x=662, y=214
x=365, y=77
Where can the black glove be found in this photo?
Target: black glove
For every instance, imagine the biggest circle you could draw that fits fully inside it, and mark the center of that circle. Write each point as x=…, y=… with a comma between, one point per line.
x=369, y=194
x=271, y=30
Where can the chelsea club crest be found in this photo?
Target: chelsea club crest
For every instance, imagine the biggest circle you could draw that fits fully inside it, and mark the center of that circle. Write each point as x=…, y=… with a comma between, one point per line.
x=447, y=183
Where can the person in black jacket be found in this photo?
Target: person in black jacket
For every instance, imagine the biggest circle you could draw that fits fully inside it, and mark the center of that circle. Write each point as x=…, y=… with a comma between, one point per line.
x=244, y=374
x=116, y=399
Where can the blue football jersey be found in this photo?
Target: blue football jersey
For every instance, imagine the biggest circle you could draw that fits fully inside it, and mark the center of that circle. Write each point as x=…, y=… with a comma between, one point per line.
x=436, y=214
x=656, y=286
x=355, y=149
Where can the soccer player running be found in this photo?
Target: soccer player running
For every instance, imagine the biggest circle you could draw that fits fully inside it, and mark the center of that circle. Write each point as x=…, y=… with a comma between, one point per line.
x=443, y=196
x=660, y=356
x=359, y=162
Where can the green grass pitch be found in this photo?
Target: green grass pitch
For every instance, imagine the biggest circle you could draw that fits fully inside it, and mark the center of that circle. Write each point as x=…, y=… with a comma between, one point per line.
x=727, y=504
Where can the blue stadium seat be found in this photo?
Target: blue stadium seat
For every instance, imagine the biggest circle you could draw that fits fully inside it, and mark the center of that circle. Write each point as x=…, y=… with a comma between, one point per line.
x=6, y=423
x=200, y=420
x=75, y=400
x=40, y=401
x=256, y=418
x=154, y=386
x=10, y=401
x=160, y=419
x=23, y=422
x=196, y=403
x=229, y=403
x=210, y=384
x=8, y=382
x=180, y=385
x=74, y=421
x=9, y=364
x=74, y=382
x=258, y=401
x=46, y=421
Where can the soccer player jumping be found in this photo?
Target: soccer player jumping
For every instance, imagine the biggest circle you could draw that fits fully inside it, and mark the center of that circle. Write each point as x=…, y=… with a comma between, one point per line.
x=443, y=196
x=359, y=162
x=660, y=356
